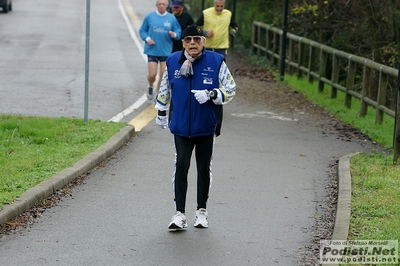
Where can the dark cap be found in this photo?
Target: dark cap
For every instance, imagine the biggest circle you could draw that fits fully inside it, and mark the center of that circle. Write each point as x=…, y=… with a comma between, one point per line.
x=177, y=3
x=192, y=30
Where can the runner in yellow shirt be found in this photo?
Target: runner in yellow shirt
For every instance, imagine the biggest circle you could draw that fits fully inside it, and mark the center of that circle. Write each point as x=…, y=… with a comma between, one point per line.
x=217, y=23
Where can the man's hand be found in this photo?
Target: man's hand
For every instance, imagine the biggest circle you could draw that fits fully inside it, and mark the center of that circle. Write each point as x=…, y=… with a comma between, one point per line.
x=232, y=32
x=172, y=34
x=150, y=42
x=162, y=121
x=210, y=33
x=201, y=95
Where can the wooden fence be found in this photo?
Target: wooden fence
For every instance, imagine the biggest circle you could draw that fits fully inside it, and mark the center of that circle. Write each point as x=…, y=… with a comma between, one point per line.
x=374, y=84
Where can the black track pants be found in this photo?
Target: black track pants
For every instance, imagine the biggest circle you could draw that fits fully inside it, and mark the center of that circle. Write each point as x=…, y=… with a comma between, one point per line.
x=203, y=153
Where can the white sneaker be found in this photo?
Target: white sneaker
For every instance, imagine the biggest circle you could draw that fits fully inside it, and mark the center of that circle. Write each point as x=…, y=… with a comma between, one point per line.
x=150, y=93
x=201, y=218
x=178, y=221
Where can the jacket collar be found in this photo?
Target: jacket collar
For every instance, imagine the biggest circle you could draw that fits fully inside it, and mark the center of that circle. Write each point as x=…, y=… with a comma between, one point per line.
x=183, y=57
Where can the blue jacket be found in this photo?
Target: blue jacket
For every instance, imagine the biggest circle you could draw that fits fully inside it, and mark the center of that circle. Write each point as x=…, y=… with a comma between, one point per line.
x=189, y=118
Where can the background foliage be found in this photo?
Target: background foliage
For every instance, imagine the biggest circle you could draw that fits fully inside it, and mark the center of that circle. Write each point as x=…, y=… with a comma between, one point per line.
x=367, y=28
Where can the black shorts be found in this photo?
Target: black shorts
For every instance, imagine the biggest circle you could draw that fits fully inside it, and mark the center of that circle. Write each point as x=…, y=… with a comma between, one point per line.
x=156, y=59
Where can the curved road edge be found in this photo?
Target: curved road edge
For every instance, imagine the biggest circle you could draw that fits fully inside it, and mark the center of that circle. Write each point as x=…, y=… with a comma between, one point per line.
x=343, y=208
x=41, y=191
x=38, y=193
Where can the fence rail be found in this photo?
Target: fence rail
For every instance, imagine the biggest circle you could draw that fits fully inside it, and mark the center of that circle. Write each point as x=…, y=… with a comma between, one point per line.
x=372, y=83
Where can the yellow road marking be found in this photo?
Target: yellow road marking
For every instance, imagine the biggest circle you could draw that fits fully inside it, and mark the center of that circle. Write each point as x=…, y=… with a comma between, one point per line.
x=144, y=118
x=150, y=113
x=131, y=13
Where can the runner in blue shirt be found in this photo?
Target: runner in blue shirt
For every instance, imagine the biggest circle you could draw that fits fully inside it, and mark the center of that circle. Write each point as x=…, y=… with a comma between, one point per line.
x=158, y=30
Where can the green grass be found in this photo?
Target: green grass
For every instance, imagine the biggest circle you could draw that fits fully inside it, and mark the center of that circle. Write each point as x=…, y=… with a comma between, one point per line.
x=380, y=133
x=32, y=149
x=376, y=188
x=375, y=202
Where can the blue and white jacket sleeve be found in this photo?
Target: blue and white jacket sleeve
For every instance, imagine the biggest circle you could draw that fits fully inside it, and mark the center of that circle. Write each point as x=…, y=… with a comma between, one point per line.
x=227, y=86
x=164, y=95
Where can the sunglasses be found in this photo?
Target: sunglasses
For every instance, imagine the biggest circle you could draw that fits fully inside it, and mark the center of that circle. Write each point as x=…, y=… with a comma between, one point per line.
x=188, y=39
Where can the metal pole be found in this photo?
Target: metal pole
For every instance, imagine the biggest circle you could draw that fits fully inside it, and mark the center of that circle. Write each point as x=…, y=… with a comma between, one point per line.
x=87, y=61
x=234, y=19
x=396, y=133
x=284, y=33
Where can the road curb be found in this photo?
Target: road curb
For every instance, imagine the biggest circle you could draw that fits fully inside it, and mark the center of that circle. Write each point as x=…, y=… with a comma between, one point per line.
x=38, y=193
x=343, y=208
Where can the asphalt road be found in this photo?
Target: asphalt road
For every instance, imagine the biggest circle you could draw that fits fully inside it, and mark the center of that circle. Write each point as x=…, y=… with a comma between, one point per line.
x=270, y=171
x=42, y=59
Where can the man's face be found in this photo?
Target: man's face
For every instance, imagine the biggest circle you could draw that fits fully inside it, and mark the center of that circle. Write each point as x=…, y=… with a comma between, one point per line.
x=162, y=6
x=194, y=45
x=176, y=10
x=219, y=6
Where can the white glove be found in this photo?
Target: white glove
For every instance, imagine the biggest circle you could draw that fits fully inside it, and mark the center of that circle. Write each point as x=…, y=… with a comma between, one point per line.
x=162, y=121
x=201, y=95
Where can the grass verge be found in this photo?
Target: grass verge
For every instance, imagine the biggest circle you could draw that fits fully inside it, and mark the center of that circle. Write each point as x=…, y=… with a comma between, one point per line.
x=32, y=149
x=375, y=202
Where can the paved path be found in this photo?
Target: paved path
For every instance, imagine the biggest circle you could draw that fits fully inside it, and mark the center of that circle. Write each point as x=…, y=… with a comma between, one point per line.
x=269, y=180
x=270, y=173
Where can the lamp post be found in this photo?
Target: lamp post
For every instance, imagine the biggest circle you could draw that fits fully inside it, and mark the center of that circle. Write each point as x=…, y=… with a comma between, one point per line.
x=86, y=108
x=234, y=19
x=284, y=33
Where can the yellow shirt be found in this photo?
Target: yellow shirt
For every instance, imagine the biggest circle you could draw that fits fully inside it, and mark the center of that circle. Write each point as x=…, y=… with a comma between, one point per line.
x=219, y=23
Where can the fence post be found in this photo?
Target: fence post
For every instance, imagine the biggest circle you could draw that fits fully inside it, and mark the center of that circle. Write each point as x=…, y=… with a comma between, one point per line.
x=300, y=58
x=365, y=89
x=253, y=38
x=291, y=57
x=258, y=40
x=396, y=137
x=383, y=80
x=323, y=58
x=351, y=75
x=311, y=62
x=268, y=55
x=274, y=48
x=335, y=75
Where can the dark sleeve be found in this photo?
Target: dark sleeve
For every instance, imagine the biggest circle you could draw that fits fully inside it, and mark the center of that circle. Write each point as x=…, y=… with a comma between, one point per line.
x=190, y=20
x=200, y=20
x=233, y=24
